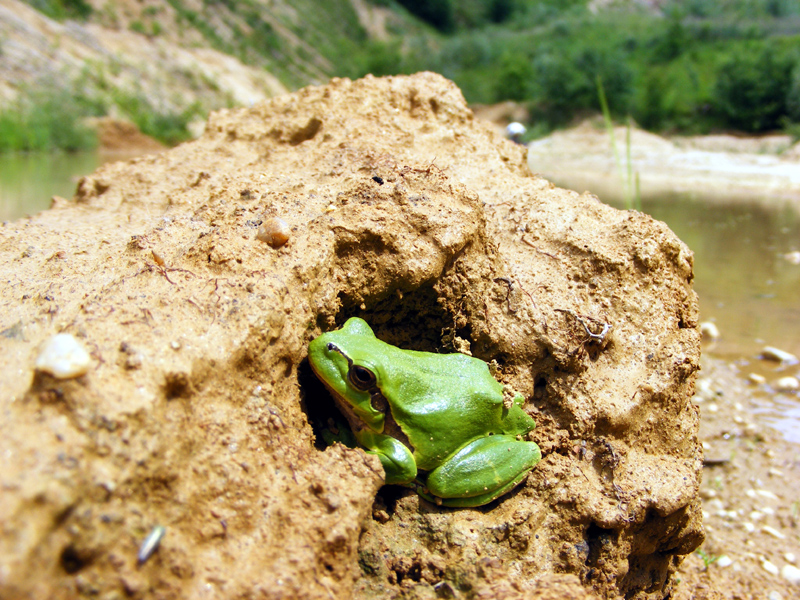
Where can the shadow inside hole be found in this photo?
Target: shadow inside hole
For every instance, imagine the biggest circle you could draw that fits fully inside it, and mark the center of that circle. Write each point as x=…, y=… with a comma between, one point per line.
x=72, y=560
x=413, y=320
x=327, y=422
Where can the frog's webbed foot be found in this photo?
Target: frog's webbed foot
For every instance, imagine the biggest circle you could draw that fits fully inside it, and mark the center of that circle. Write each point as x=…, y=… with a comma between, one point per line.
x=397, y=461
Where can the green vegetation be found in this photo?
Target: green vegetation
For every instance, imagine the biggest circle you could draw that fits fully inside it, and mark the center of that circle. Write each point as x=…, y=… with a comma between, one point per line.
x=708, y=559
x=63, y=9
x=696, y=66
x=319, y=39
x=50, y=118
x=693, y=67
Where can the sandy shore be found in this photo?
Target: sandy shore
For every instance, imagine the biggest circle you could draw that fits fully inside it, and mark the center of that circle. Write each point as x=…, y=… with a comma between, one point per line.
x=719, y=167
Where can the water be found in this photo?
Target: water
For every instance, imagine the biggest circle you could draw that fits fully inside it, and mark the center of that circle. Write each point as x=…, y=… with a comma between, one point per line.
x=748, y=288
x=28, y=180
x=743, y=279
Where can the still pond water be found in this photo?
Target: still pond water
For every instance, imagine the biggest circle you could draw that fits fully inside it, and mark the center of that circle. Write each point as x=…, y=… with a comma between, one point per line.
x=745, y=283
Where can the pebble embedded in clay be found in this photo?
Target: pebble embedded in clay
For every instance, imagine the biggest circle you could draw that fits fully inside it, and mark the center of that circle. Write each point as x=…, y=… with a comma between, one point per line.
x=63, y=357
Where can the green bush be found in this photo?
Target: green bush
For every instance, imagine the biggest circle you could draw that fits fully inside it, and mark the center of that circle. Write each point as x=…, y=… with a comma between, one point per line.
x=63, y=9
x=515, y=76
x=752, y=89
x=793, y=95
x=168, y=127
x=566, y=82
x=439, y=13
x=49, y=119
x=381, y=58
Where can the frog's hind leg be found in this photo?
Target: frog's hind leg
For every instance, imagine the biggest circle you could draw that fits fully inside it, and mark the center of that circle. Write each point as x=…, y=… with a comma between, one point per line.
x=482, y=470
x=482, y=499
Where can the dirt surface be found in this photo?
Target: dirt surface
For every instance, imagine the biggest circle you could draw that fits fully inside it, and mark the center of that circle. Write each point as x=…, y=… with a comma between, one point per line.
x=720, y=167
x=199, y=413
x=123, y=137
x=750, y=490
x=108, y=55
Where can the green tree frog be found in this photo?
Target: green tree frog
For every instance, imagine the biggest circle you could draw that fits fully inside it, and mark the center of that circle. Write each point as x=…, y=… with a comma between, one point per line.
x=437, y=422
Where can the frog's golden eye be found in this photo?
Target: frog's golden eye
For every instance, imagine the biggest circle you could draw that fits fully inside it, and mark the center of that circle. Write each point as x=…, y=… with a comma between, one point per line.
x=361, y=378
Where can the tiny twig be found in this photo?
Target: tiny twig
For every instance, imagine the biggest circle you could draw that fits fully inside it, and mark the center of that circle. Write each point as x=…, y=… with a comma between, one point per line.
x=582, y=319
x=510, y=285
x=535, y=247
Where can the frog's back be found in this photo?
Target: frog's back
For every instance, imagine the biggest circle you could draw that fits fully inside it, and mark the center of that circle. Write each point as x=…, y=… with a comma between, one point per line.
x=450, y=373
x=447, y=400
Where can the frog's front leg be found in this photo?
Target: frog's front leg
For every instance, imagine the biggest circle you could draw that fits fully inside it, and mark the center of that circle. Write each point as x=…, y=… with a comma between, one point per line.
x=397, y=460
x=483, y=470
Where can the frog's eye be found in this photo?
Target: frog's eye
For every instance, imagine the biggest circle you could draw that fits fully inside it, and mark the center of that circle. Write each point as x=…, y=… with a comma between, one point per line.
x=361, y=378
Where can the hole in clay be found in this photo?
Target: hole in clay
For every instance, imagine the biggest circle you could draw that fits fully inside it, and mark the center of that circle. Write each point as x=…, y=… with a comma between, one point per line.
x=388, y=495
x=71, y=560
x=600, y=540
x=176, y=385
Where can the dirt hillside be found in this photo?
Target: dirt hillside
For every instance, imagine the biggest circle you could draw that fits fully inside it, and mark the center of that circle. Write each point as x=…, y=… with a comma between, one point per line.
x=197, y=411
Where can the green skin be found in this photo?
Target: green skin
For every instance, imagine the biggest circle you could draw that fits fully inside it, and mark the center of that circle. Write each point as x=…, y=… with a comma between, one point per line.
x=436, y=421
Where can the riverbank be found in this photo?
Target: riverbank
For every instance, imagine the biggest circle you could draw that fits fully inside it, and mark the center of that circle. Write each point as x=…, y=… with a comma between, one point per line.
x=719, y=168
x=750, y=491
x=751, y=477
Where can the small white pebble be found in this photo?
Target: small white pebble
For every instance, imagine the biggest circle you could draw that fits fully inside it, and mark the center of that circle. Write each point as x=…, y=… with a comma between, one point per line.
x=775, y=472
x=150, y=544
x=787, y=384
x=752, y=493
x=724, y=561
x=767, y=510
x=791, y=573
x=175, y=345
x=773, y=595
x=713, y=407
x=738, y=419
x=756, y=379
x=709, y=331
x=63, y=357
x=748, y=526
x=776, y=354
x=773, y=532
x=769, y=567
x=756, y=515
x=790, y=557
x=767, y=494
x=738, y=406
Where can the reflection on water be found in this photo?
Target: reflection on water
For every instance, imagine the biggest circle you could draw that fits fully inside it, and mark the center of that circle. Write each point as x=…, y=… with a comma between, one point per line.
x=29, y=179
x=744, y=282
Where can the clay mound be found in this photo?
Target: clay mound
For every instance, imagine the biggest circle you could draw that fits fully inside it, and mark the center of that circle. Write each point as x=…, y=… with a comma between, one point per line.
x=199, y=412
